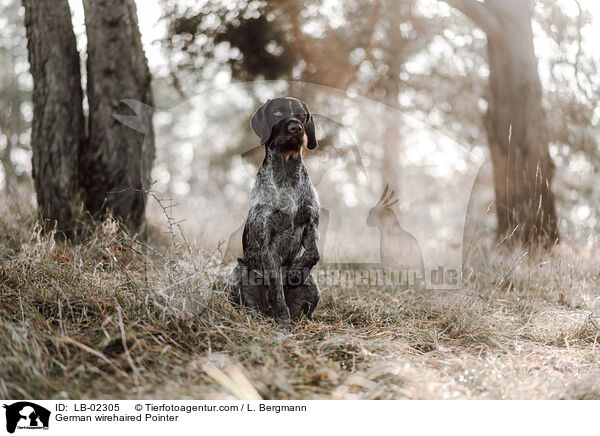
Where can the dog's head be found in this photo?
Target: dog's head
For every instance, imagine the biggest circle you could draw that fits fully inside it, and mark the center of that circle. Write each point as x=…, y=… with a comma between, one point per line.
x=285, y=124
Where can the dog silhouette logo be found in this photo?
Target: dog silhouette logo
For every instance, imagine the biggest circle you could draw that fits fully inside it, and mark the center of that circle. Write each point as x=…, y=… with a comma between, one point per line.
x=26, y=415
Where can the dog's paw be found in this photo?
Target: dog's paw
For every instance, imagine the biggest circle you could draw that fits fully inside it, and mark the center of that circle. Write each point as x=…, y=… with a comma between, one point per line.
x=285, y=325
x=283, y=317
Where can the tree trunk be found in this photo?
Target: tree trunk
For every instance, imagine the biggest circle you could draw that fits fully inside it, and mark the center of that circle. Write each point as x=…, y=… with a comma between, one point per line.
x=516, y=130
x=117, y=160
x=515, y=123
x=57, y=127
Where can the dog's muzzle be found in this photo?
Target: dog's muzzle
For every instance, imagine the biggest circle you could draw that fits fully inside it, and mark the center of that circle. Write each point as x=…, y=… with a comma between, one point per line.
x=295, y=128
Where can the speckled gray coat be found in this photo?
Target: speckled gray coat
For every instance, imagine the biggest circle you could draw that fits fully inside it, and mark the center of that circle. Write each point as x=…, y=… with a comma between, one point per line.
x=280, y=239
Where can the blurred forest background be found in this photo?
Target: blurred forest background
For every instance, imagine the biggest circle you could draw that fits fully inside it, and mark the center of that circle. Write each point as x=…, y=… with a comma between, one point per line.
x=399, y=90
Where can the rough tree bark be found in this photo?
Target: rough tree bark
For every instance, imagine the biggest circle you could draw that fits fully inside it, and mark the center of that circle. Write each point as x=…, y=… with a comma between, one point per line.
x=515, y=123
x=108, y=170
x=116, y=161
x=58, y=122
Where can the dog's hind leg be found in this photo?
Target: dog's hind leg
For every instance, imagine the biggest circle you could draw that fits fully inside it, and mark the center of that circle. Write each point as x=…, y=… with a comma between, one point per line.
x=245, y=289
x=234, y=285
x=303, y=300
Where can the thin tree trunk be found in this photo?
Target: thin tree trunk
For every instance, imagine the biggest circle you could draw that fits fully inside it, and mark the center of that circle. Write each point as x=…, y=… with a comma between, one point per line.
x=117, y=160
x=391, y=143
x=58, y=121
x=9, y=120
x=516, y=130
x=515, y=123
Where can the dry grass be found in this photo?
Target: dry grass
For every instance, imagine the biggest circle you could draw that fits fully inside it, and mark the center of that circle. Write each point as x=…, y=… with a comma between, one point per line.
x=112, y=318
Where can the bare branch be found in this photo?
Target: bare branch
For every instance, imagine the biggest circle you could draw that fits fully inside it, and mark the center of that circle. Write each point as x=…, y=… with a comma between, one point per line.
x=479, y=13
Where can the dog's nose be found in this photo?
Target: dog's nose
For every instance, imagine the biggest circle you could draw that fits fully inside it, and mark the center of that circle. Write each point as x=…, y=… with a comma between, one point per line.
x=294, y=127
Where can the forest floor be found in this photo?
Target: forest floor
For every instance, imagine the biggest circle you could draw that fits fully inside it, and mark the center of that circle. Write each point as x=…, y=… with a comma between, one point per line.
x=110, y=317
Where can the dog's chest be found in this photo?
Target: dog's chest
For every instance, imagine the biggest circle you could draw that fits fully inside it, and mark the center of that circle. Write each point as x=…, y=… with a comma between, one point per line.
x=292, y=205
x=289, y=212
x=292, y=199
x=285, y=199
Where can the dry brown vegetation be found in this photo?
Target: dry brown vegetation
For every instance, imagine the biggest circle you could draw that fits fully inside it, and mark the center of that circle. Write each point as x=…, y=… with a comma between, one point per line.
x=113, y=318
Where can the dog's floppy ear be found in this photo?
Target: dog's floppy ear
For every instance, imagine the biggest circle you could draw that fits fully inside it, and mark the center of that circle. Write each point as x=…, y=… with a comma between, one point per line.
x=259, y=123
x=310, y=129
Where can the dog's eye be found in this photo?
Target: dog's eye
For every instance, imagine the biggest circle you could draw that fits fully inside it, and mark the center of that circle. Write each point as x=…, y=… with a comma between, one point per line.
x=277, y=113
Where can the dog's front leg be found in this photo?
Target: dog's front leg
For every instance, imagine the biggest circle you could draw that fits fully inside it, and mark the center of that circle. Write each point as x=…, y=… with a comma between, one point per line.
x=301, y=267
x=272, y=274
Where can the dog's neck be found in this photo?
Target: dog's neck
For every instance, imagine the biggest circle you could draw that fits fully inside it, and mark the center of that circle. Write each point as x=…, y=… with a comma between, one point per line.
x=286, y=170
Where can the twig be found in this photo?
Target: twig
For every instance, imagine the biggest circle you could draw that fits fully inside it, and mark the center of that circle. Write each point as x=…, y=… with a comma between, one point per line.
x=136, y=371
x=92, y=351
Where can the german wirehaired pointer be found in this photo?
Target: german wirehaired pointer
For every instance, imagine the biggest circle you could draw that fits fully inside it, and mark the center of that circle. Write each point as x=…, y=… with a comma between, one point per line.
x=280, y=238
